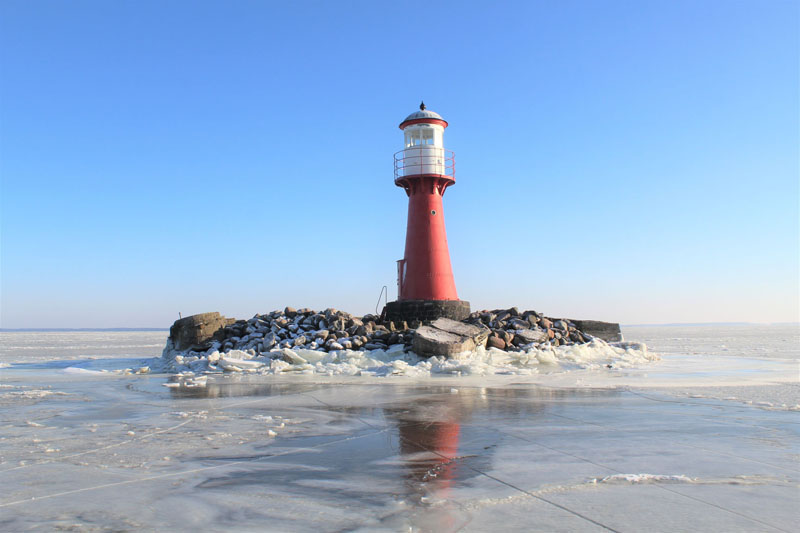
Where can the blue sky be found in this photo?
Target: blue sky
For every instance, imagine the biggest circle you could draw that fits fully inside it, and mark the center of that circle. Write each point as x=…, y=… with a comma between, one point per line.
x=627, y=161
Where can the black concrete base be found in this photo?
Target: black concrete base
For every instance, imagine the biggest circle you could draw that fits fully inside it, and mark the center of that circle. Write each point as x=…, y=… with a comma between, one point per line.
x=426, y=310
x=608, y=331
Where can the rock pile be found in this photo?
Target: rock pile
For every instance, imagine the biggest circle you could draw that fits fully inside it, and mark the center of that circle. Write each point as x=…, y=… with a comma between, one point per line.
x=512, y=330
x=332, y=330
x=327, y=330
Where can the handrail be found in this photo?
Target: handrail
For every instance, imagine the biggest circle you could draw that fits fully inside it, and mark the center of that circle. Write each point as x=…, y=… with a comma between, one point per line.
x=417, y=160
x=384, y=291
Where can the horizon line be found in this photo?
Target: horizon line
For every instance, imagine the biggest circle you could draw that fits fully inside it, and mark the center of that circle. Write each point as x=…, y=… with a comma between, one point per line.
x=640, y=325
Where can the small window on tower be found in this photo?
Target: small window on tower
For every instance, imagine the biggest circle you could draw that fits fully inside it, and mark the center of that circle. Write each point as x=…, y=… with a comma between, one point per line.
x=427, y=136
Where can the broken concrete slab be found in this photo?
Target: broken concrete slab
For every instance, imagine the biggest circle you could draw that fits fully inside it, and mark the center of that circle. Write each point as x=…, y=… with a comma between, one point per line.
x=478, y=333
x=448, y=337
x=430, y=341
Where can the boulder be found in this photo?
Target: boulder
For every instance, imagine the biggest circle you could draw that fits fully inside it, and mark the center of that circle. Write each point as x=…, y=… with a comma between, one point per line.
x=374, y=346
x=197, y=331
x=527, y=336
x=502, y=316
x=516, y=323
x=496, y=342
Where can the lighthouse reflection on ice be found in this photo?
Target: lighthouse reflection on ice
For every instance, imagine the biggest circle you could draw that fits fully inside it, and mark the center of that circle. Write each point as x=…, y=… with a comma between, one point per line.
x=414, y=444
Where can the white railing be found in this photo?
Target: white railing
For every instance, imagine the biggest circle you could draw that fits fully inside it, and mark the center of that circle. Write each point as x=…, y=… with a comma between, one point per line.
x=424, y=160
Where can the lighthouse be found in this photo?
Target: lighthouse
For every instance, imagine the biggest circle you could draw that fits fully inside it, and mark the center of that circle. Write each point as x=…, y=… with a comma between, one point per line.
x=426, y=289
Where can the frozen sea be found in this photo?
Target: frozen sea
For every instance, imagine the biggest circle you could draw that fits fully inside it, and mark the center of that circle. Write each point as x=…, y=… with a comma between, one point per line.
x=703, y=437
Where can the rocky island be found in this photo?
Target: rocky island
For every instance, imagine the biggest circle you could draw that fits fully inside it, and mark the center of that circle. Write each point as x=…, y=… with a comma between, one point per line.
x=299, y=337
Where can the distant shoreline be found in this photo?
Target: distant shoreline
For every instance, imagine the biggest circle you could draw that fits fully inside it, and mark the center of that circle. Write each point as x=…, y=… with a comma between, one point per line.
x=698, y=324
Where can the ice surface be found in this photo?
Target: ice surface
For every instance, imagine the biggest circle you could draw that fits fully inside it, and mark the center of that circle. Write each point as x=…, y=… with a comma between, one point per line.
x=646, y=445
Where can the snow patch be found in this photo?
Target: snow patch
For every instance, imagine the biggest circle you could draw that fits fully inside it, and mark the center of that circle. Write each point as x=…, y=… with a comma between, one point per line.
x=635, y=479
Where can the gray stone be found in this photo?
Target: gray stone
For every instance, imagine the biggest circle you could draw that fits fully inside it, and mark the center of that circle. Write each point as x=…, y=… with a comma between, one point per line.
x=575, y=336
x=374, y=346
x=333, y=345
x=527, y=336
x=380, y=334
x=502, y=316
x=516, y=323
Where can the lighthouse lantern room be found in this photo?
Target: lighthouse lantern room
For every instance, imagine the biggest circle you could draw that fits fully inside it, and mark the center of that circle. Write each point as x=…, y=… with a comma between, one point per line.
x=426, y=288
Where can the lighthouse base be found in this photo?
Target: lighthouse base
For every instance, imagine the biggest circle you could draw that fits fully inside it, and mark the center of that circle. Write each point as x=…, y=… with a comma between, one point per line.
x=426, y=310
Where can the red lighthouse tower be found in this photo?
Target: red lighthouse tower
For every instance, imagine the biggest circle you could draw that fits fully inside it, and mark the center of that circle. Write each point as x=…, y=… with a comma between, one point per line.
x=426, y=289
